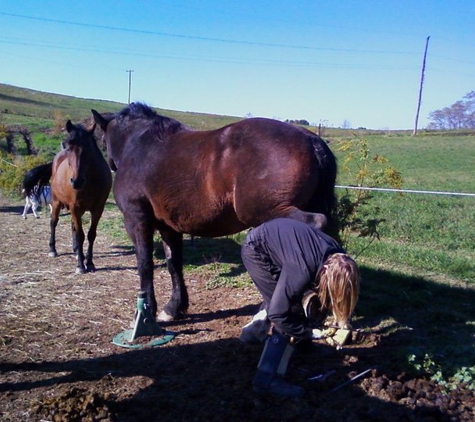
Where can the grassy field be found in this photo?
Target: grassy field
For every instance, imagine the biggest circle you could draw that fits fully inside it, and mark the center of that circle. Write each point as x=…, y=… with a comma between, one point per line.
x=426, y=244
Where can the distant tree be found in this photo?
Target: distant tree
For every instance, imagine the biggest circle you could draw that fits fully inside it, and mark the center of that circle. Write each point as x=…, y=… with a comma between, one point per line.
x=460, y=115
x=346, y=124
x=302, y=122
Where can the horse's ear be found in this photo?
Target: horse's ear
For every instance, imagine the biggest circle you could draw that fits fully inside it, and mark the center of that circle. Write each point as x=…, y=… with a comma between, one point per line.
x=69, y=126
x=101, y=121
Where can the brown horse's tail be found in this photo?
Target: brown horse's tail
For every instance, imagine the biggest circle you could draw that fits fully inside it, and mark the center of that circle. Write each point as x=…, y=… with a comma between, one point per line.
x=324, y=199
x=338, y=287
x=37, y=176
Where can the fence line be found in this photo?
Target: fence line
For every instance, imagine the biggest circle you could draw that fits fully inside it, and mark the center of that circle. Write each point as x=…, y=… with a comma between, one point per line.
x=407, y=191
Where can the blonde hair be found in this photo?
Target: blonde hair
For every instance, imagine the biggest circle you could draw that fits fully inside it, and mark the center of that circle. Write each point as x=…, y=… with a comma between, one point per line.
x=338, y=285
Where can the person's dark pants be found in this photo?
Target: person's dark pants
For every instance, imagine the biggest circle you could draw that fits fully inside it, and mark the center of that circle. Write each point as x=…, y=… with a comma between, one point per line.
x=263, y=273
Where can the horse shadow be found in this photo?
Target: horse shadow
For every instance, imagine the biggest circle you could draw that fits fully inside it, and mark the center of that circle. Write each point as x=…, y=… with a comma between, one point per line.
x=199, y=251
x=12, y=209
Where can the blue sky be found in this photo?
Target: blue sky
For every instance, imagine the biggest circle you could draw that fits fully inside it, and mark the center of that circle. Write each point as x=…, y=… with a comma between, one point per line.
x=355, y=63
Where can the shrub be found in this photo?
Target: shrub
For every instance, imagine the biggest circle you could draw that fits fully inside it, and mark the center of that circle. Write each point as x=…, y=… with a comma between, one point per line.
x=364, y=170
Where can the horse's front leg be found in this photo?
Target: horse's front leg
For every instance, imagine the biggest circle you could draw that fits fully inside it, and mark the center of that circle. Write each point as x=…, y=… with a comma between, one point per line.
x=53, y=223
x=78, y=240
x=178, y=304
x=91, y=237
x=140, y=231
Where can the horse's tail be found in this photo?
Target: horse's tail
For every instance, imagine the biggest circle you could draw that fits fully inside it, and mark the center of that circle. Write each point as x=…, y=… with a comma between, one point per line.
x=37, y=176
x=324, y=199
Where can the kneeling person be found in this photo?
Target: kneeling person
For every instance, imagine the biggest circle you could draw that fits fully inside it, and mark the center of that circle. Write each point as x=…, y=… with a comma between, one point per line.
x=290, y=261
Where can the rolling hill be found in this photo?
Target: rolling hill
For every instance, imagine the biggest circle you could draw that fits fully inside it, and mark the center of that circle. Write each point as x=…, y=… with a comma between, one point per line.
x=36, y=109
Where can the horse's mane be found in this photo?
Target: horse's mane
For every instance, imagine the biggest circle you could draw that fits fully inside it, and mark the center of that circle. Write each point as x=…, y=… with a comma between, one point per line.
x=160, y=124
x=82, y=129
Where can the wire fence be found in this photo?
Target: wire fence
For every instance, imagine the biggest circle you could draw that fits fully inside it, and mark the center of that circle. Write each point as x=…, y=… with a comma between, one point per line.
x=427, y=192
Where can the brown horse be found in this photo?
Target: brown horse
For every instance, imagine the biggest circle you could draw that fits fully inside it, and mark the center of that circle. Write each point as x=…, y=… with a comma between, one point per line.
x=210, y=183
x=80, y=181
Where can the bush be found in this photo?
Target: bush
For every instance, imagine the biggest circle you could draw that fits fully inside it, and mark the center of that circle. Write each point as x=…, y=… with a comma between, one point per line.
x=13, y=169
x=364, y=170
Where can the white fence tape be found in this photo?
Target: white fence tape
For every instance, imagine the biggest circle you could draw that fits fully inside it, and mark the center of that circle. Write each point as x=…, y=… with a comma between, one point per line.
x=429, y=192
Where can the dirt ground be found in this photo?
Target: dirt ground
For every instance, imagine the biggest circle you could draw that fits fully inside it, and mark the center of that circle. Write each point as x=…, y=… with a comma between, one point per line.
x=58, y=363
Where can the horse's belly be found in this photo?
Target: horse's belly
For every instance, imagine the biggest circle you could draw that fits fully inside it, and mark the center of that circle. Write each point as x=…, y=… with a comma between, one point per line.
x=200, y=223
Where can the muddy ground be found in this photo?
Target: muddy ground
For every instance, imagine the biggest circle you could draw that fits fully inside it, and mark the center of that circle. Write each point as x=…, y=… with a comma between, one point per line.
x=58, y=363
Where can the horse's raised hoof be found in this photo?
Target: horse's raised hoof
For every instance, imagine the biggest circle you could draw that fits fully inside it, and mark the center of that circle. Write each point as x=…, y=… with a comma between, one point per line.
x=164, y=317
x=53, y=254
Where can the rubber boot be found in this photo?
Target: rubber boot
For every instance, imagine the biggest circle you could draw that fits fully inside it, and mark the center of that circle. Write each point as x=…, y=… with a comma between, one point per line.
x=272, y=366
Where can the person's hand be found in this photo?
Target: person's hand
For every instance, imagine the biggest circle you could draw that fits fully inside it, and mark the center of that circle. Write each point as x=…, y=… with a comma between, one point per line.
x=317, y=334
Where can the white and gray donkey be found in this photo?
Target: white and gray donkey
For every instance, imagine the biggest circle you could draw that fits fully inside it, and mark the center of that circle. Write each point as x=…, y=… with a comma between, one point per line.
x=39, y=196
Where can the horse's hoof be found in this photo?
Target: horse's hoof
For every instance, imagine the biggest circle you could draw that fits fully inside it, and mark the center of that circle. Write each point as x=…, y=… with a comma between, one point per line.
x=80, y=270
x=37, y=216
x=164, y=317
x=24, y=217
x=52, y=254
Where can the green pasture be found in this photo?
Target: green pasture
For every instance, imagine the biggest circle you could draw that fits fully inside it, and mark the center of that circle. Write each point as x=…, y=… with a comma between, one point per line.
x=418, y=273
x=425, y=232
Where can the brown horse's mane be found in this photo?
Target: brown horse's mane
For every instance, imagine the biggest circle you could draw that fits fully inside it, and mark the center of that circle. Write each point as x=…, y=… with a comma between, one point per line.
x=84, y=134
x=159, y=125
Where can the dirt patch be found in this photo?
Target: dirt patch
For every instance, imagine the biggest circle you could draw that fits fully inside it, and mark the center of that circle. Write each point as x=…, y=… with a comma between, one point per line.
x=58, y=363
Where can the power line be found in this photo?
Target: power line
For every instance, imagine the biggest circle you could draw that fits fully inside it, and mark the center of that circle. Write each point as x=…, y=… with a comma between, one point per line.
x=237, y=60
x=426, y=192
x=198, y=38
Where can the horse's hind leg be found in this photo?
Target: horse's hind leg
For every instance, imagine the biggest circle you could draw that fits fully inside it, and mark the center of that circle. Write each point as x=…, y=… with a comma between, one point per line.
x=320, y=221
x=27, y=207
x=179, y=302
x=34, y=207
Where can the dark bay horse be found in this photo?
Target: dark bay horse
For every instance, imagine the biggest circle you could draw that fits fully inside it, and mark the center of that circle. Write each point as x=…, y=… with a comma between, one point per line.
x=81, y=181
x=210, y=183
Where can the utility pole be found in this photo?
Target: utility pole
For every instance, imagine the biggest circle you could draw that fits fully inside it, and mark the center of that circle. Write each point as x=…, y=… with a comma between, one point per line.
x=414, y=133
x=130, y=81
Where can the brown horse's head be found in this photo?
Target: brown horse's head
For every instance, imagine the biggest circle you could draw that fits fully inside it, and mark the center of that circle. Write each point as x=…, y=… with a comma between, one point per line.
x=135, y=122
x=78, y=146
x=103, y=121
